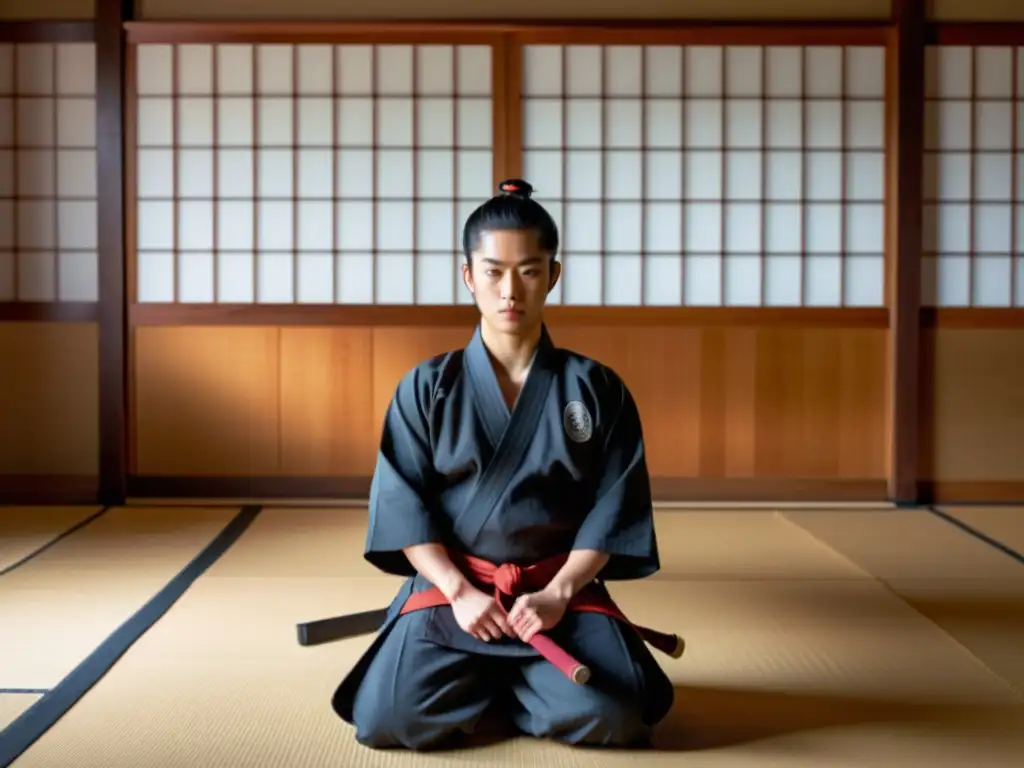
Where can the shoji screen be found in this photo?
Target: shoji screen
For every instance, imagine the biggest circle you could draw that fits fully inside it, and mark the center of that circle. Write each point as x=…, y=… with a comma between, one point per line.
x=48, y=173
x=309, y=173
x=711, y=175
x=974, y=177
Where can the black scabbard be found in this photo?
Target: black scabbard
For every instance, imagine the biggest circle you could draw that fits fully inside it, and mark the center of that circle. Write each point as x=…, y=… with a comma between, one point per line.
x=341, y=627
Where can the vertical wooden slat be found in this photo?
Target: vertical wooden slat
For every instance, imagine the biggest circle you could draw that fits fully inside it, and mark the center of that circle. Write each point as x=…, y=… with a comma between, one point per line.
x=414, y=192
x=456, y=140
x=256, y=93
x=499, y=111
x=763, y=191
x=844, y=170
x=55, y=177
x=296, y=145
x=110, y=99
x=723, y=201
x=904, y=160
x=15, y=176
x=1015, y=198
x=805, y=156
x=684, y=145
x=335, y=181
x=563, y=153
x=175, y=173
x=645, y=203
x=131, y=269
x=512, y=90
x=602, y=236
x=215, y=103
x=375, y=154
x=972, y=164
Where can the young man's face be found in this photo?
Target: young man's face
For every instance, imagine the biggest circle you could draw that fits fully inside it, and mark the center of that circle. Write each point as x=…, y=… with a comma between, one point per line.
x=510, y=278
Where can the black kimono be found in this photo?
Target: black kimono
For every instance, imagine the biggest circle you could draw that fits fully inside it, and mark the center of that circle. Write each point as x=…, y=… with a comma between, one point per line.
x=564, y=470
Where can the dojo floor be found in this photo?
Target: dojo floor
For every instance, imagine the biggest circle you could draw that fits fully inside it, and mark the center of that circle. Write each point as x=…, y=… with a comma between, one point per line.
x=816, y=636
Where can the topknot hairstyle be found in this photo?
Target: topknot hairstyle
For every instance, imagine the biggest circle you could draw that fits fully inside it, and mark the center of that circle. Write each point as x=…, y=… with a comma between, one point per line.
x=512, y=208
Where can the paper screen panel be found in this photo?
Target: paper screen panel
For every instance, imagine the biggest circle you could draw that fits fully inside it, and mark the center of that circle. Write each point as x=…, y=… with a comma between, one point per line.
x=714, y=176
x=48, y=224
x=310, y=174
x=974, y=177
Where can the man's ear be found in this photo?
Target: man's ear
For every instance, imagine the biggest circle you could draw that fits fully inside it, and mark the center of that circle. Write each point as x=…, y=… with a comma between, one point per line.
x=556, y=272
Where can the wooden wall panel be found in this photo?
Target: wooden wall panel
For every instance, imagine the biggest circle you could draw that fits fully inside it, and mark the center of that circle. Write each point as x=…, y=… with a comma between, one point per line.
x=752, y=402
x=396, y=350
x=975, y=413
x=327, y=399
x=56, y=10
x=207, y=401
x=49, y=395
x=723, y=403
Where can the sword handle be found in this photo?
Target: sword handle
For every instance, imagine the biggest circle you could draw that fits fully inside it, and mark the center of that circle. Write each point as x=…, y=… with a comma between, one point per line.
x=576, y=671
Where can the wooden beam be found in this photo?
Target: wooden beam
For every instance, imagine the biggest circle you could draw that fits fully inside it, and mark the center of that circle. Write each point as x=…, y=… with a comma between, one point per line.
x=905, y=163
x=111, y=16
x=48, y=312
x=377, y=316
x=46, y=31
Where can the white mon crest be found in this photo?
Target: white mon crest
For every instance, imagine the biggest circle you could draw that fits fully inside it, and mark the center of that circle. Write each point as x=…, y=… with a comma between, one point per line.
x=577, y=422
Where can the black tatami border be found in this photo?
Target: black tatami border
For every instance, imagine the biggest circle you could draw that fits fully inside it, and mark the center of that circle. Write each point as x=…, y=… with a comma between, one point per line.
x=972, y=531
x=55, y=703
x=58, y=538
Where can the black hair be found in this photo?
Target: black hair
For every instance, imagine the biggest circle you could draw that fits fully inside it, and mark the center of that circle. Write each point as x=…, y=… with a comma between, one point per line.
x=512, y=208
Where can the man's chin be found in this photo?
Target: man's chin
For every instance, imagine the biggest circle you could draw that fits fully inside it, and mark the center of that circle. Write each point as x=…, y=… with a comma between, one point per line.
x=512, y=321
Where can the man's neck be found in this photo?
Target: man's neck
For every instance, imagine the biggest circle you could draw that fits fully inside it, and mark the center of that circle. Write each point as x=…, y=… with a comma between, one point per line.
x=511, y=353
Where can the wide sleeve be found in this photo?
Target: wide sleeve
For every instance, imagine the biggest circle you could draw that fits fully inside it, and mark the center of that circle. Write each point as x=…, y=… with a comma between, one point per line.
x=400, y=511
x=621, y=522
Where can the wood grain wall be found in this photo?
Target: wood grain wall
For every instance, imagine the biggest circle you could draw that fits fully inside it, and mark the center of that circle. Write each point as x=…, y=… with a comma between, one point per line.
x=49, y=391
x=728, y=411
x=974, y=406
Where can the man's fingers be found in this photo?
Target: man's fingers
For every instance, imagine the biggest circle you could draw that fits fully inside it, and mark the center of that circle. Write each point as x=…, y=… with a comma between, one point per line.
x=517, y=609
x=531, y=629
x=503, y=624
x=486, y=628
x=522, y=624
x=499, y=621
x=495, y=630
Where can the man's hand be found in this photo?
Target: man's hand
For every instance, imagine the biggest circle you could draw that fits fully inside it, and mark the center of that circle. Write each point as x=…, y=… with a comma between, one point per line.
x=537, y=612
x=479, y=614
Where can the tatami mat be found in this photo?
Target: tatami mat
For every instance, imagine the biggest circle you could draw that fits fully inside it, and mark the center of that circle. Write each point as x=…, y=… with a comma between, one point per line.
x=62, y=604
x=1004, y=524
x=797, y=657
x=968, y=588
x=24, y=530
x=13, y=704
x=741, y=545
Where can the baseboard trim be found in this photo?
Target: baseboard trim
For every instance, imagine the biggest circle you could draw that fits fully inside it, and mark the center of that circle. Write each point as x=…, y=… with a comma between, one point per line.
x=141, y=487
x=48, y=489
x=664, y=489
x=973, y=492
x=769, y=489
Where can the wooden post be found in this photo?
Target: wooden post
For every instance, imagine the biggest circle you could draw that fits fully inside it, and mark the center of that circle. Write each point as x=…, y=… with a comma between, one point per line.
x=905, y=72
x=110, y=103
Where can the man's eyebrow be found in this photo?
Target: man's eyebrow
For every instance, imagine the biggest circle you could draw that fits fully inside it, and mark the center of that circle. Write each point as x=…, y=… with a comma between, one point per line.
x=531, y=260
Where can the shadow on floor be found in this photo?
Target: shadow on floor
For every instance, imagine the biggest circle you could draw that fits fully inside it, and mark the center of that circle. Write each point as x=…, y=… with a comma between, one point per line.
x=712, y=718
